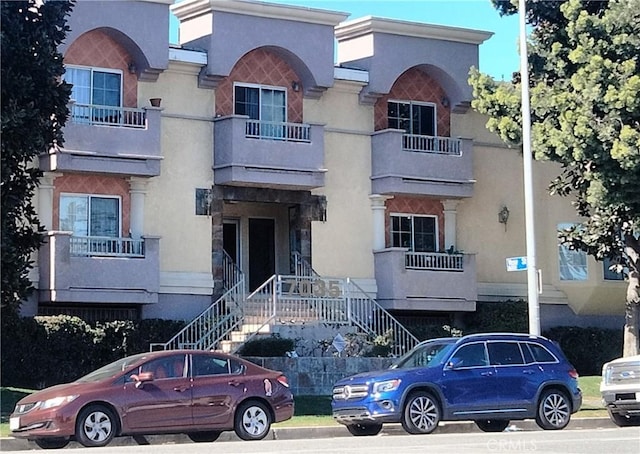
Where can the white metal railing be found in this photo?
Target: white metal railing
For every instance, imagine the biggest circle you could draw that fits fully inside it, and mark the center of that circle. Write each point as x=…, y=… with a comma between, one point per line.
x=212, y=326
x=369, y=316
x=231, y=273
x=297, y=299
x=288, y=132
x=432, y=144
x=291, y=299
x=93, y=114
x=437, y=261
x=300, y=266
x=88, y=246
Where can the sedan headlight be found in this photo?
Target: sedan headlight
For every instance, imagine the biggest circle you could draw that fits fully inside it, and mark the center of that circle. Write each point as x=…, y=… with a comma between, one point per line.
x=57, y=401
x=386, y=386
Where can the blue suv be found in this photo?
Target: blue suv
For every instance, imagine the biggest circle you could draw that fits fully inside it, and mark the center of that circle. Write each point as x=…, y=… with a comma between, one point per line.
x=487, y=378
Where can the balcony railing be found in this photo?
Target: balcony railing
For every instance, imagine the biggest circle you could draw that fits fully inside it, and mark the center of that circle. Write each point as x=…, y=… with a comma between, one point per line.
x=434, y=261
x=92, y=114
x=431, y=144
x=96, y=246
x=288, y=132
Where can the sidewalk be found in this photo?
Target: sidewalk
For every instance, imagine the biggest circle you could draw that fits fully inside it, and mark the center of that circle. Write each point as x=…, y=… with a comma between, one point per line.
x=296, y=433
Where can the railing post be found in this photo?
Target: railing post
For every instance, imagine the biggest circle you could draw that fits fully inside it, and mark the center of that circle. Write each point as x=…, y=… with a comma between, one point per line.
x=277, y=284
x=348, y=299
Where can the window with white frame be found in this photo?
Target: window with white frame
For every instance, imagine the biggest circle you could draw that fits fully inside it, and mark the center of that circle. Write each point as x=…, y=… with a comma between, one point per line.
x=415, y=232
x=90, y=215
x=266, y=105
x=417, y=118
x=97, y=93
x=572, y=263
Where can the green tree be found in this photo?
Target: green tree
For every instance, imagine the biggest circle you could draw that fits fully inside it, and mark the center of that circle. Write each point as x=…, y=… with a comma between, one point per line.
x=584, y=66
x=34, y=110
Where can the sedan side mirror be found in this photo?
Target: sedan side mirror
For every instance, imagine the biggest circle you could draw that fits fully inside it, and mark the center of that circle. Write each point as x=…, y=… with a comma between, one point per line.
x=142, y=378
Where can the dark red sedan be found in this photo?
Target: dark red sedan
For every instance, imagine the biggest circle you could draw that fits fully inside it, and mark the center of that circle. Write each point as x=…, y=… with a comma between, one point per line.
x=180, y=391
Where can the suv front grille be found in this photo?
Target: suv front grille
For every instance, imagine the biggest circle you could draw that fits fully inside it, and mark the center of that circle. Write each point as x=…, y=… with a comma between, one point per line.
x=350, y=392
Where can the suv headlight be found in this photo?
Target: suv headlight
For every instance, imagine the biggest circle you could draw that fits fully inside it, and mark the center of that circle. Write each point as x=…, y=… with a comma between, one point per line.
x=386, y=386
x=57, y=401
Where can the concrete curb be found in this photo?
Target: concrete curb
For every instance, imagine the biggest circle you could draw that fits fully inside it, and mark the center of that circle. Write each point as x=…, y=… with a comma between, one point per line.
x=297, y=433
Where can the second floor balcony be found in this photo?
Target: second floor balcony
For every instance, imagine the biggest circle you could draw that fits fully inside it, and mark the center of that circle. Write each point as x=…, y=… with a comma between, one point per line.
x=424, y=165
x=83, y=269
x=108, y=139
x=426, y=281
x=268, y=154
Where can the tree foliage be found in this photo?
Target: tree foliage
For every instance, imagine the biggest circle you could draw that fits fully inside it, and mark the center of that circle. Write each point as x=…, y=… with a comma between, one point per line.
x=584, y=66
x=34, y=110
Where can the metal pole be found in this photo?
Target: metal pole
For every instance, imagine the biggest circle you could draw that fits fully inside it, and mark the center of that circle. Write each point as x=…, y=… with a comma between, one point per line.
x=532, y=273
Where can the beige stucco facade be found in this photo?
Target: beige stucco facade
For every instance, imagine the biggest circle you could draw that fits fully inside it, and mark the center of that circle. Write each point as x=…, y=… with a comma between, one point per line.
x=338, y=214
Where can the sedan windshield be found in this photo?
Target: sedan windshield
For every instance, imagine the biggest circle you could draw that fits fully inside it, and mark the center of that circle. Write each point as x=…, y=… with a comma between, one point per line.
x=425, y=354
x=112, y=369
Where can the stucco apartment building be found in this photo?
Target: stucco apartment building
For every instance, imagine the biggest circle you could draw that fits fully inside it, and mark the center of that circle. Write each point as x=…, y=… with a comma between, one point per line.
x=294, y=152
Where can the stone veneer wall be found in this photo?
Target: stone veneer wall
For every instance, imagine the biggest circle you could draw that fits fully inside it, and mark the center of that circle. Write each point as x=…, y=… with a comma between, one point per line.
x=315, y=376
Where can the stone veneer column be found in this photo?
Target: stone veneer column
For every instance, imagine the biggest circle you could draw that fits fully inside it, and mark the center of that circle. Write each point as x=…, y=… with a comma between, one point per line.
x=450, y=214
x=137, y=190
x=304, y=226
x=378, y=207
x=45, y=199
x=217, y=244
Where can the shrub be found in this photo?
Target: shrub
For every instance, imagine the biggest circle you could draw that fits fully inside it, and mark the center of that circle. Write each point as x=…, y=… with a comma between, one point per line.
x=267, y=346
x=507, y=316
x=587, y=348
x=424, y=332
x=43, y=351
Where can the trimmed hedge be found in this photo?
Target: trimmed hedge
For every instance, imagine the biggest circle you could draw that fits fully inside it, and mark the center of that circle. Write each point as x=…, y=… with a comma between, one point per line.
x=43, y=351
x=267, y=347
x=503, y=317
x=587, y=348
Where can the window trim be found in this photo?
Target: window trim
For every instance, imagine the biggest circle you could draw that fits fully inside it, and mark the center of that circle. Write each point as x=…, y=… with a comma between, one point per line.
x=417, y=103
x=561, y=248
x=103, y=70
x=89, y=196
x=260, y=87
x=412, y=216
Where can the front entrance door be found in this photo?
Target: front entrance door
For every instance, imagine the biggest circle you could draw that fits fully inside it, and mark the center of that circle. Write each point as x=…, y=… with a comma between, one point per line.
x=230, y=238
x=262, y=251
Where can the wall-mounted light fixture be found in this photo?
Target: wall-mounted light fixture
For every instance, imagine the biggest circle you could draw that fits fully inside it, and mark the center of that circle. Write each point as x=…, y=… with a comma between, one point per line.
x=503, y=216
x=295, y=85
x=444, y=101
x=132, y=67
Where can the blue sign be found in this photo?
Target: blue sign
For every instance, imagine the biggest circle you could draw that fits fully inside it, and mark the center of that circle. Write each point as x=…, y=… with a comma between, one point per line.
x=516, y=263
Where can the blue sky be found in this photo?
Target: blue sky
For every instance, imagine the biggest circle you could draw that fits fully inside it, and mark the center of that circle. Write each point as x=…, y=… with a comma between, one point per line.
x=498, y=55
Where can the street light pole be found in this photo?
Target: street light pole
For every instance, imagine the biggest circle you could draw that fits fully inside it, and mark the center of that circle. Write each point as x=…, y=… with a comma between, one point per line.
x=532, y=270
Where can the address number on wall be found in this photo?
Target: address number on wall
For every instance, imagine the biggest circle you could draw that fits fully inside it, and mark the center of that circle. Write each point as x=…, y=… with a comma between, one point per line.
x=317, y=287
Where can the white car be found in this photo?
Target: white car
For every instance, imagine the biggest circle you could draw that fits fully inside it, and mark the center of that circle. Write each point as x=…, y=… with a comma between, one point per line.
x=620, y=389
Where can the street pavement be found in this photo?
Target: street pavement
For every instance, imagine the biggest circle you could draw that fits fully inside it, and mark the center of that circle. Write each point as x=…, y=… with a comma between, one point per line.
x=314, y=432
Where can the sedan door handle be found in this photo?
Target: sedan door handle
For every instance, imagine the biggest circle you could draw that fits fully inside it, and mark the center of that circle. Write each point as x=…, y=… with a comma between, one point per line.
x=486, y=374
x=180, y=389
x=528, y=371
x=235, y=383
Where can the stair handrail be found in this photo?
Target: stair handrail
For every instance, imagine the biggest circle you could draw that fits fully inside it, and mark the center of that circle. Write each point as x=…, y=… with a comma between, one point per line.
x=378, y=321
x=268, y=312
x=231, y=272
x=211, y=326
x=301, y=267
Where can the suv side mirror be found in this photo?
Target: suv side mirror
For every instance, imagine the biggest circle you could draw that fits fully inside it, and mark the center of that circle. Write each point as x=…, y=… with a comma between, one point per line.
x=453, y=364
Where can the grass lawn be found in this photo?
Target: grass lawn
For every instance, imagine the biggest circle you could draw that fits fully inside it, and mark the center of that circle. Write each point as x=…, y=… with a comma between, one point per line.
x=316, y=410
